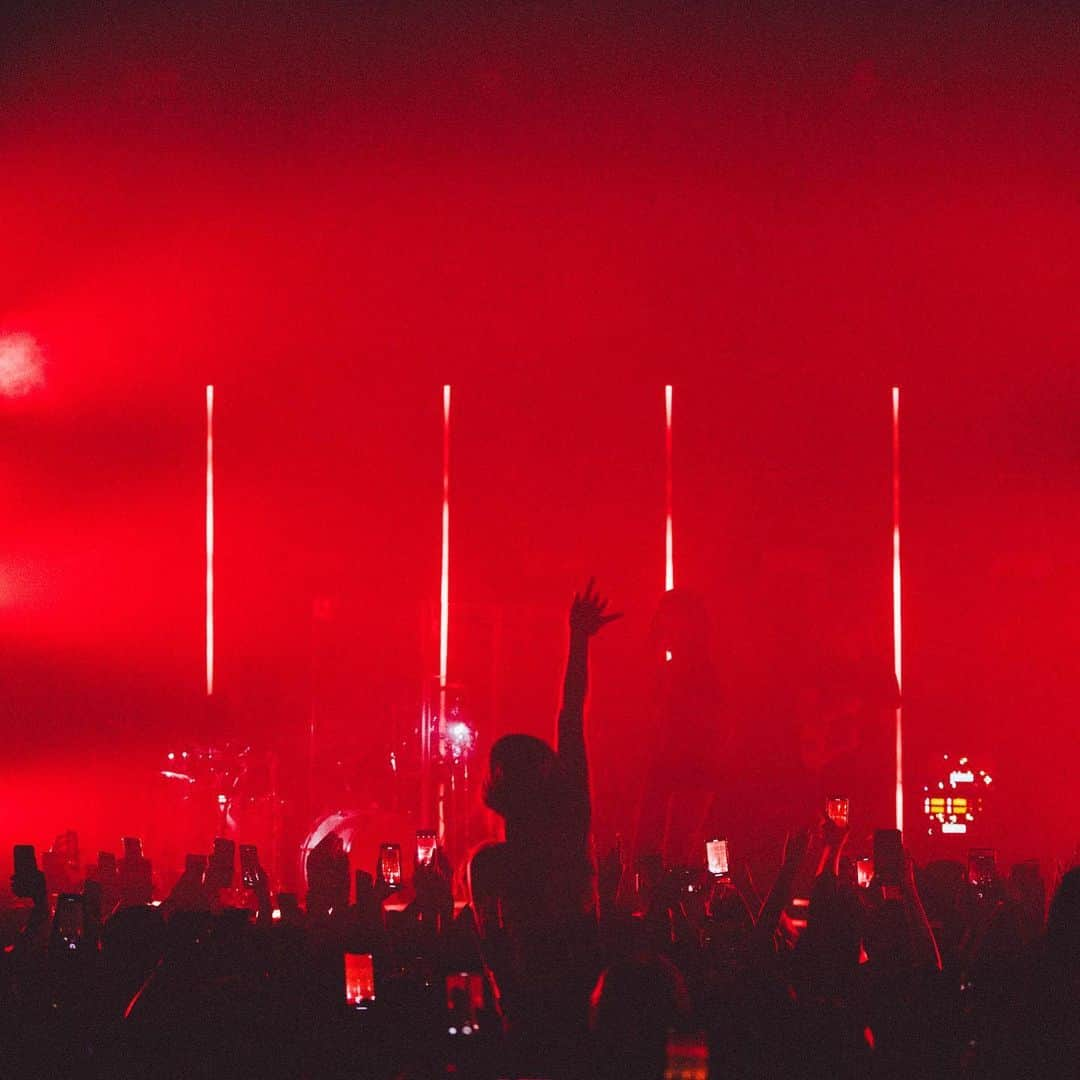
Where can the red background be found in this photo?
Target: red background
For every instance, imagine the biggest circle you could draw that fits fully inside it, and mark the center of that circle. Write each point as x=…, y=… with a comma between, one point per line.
x=329, y=215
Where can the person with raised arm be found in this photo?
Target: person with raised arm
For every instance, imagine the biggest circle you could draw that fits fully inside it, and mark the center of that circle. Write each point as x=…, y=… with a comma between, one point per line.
x=534, y=895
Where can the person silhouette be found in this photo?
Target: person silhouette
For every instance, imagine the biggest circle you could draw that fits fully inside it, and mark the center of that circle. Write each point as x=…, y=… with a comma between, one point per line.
x=677, y=809
x=534, y=895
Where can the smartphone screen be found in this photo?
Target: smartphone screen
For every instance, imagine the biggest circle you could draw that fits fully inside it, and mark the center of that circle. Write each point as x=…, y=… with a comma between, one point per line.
x=249, y=865
x=359, y=980
x=464, y=1001
x=888, y=856
x=864, y=872
x=390, y=864
x=716, y=855
x=425, y=847
x=837, y=811
x=687, y=1055
x=69, y=918
x=982, y=866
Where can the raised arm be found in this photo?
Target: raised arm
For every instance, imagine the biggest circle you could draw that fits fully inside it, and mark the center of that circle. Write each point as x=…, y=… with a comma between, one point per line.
x=586, y=618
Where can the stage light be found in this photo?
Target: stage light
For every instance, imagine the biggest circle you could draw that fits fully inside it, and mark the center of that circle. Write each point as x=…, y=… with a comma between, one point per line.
x=22, y=366
x=897, y=624
x=444, y=583
x=669, y=548
x=209, y=541
x=957, y=802
x=459, y=733
x=669, y=553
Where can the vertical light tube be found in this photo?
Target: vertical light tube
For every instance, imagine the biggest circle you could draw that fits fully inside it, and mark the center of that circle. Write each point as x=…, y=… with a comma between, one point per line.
x=897, y=625
x=669, y=553
x=444, y=584
x=209, y=540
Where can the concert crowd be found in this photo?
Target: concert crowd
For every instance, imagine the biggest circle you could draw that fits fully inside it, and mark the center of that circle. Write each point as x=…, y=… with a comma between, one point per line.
x=553, y=962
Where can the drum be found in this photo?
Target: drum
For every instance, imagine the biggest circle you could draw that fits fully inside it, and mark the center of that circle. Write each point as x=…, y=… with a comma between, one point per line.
x=361, y=832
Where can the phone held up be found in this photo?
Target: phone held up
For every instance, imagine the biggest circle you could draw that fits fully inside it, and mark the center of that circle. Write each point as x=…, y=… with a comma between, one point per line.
x=390, y=864
x=26, y=870
x=982, y=868
x=425, y=847
x=249, y=865
x=888, y=861
x=68, y=923
x=716, y=856
x=837, y=811
x=359, y=980
x=464, y=1002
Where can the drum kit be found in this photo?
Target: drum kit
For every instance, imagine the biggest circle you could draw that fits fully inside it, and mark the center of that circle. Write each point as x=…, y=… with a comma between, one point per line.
x=365, y=796
x=228, y=790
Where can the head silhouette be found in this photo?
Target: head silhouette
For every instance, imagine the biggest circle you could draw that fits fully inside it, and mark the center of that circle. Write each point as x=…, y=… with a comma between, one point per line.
x=1063, y=921
x=523, y=779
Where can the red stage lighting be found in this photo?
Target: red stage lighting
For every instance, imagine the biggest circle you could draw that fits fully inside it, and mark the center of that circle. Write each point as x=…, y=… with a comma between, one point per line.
x=444, y=584
x=209, y=540
x=897, y=626
x=669, y=554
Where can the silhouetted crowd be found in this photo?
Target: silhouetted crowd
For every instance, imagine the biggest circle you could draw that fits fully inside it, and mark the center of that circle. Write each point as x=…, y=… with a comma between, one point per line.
x=558, y=965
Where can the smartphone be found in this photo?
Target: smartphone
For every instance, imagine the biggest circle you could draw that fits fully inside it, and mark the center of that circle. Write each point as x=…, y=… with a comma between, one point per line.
x=220, y=866
x=982, y=867
x=836, y=810
x=26, y=869
x=25, y=861
x=687, y=1055
x=249, y=865
x=195, y=865
x=365, y=886
x=390, y=864
x=464, y=1002
x=425, y=847
x=289, y=905
x=132, y=848
x=888, y=857
x=359, y=980
x=68, y=922
x=864, y=872
x=92, y=902
x=716, y=855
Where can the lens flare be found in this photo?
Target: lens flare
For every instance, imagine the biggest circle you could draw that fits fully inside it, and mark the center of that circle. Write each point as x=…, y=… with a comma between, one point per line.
x=22, y=366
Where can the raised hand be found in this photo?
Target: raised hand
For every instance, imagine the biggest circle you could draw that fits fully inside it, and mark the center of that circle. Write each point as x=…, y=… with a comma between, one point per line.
x=609, y=876
x=587, y=612
x=796, y=845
